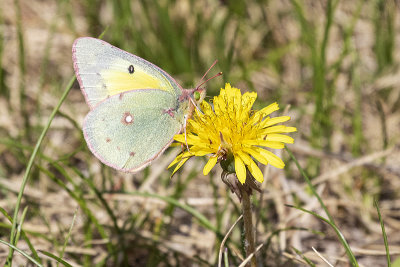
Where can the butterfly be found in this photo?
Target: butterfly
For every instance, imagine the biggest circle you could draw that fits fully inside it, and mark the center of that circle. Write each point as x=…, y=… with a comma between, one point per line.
x=136, y=108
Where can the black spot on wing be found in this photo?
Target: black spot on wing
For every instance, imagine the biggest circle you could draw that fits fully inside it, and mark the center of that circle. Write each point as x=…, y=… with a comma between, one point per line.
x=131, y=69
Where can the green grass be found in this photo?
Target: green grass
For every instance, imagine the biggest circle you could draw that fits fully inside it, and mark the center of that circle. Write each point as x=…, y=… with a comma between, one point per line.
x=324, y=62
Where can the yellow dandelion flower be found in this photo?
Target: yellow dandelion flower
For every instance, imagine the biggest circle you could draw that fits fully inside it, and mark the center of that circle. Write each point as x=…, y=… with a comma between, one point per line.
x=231, y=131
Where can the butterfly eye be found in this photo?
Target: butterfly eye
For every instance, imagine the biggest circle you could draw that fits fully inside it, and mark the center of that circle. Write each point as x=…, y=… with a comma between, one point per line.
x=131, y=69
x=196, y=96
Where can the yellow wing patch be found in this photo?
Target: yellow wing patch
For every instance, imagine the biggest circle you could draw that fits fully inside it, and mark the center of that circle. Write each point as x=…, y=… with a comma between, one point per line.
x=117, y=82
x=119, y=78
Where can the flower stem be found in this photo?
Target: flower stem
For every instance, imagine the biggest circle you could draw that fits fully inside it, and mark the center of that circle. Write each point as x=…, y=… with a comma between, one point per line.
x=248, y=226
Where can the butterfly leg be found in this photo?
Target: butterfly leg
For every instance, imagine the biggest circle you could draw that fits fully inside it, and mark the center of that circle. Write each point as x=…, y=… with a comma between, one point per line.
x=184, y=126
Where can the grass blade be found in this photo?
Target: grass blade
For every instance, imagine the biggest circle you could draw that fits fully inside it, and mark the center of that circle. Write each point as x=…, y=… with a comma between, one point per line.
x=385, y=240
x=298, y=252
x=68, y=236
x=59, y=260
x=310, y=185
x=22, y=252
x=29, y=169
x=33, y=250
x=349, y=252
x=200, y=217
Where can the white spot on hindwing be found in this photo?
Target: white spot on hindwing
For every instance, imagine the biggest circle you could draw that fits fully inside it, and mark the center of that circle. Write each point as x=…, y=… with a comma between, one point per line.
x=127, y=118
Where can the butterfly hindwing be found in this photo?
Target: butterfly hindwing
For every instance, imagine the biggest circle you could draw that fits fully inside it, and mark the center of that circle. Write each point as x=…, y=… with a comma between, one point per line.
x=129, y=130
x=104, y=70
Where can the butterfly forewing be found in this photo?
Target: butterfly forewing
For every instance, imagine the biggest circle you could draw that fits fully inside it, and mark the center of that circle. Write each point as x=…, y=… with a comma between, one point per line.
x=104, y=70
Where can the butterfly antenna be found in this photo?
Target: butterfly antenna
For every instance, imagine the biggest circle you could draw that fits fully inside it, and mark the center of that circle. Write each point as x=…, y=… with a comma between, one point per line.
x=215, y=62
x=216, y=75
x=193, y=102
x=201, y=83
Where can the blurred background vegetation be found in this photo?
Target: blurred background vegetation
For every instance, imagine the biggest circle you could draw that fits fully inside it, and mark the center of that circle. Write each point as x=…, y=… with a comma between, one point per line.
x=332, y=65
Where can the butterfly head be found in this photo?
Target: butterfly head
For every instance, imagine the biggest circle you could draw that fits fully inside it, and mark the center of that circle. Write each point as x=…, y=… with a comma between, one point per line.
x=195, y=97
x=198, y=95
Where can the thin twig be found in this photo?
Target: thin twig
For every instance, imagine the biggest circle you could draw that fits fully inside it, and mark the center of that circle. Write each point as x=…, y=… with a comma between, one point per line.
x=221, y=248
x=250, y=256
x=322, y=257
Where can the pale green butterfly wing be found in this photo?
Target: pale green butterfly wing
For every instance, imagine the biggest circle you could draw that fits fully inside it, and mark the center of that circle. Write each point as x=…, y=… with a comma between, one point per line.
x=104, y=70
x=129, y=130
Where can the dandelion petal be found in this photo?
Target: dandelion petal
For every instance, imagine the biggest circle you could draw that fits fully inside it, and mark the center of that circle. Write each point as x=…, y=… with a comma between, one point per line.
x=210, y=164
x=256, y=172
x=180, y=164
x=273, y=159
x=240, y=169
